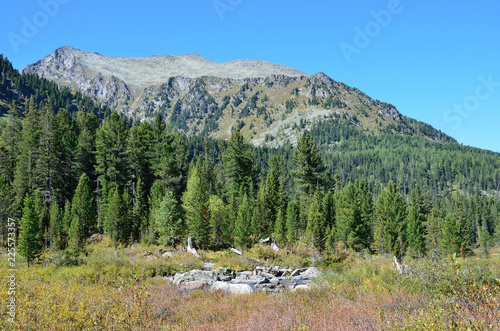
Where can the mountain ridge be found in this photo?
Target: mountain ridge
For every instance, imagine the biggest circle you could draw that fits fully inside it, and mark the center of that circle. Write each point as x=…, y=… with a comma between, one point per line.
x=269, y=102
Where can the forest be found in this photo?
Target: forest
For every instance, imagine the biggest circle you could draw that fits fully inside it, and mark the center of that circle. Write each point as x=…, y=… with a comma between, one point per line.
x=343, y=199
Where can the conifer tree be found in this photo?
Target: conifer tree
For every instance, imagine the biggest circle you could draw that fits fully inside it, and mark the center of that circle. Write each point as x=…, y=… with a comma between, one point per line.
x=452, y=236
x=308, y=164
x=292, y=219
x=415, y=234
x=195, y=203
x=166, y=219
x=390, y=226
x=280, y=228
x=83, y=216
x=56, y=226
x=140, y=212
x=239, y=165
x=315, y=232
x=242, y=227
x=220, y=223
x=30, y=244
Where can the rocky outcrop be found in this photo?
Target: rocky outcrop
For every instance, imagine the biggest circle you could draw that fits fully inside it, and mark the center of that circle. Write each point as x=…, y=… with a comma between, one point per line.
x=269, y=280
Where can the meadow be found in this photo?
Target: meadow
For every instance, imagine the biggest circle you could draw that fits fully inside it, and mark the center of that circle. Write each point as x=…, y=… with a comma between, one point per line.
x=103, y=288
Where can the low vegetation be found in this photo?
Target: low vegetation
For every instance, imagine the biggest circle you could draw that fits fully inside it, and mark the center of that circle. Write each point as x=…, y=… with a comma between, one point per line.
x=103, y=288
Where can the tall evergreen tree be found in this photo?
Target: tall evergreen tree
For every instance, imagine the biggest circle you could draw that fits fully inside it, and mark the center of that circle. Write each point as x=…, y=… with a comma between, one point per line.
x=239, y=165
x=292, y=219
x=452, y=235
x=83, y=215
x=415, y=233
x=220, y=223
x=309, y=166
x=166, y=219
x=30, y=244
x=140, y=211
x=195, y=202
x=280, y=228
x=390, y=226
x=316, y=227
x=56, y=233
x=242, y=227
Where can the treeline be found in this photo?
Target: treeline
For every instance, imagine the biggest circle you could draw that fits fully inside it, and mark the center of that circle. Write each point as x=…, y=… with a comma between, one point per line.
x=440, y=167
x=67, y=179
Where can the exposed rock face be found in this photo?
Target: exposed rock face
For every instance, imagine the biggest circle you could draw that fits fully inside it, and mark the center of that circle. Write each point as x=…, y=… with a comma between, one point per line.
x=269, y=102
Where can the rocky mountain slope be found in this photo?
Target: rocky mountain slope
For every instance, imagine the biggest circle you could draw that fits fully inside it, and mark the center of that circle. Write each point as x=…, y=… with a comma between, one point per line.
x=270, y=103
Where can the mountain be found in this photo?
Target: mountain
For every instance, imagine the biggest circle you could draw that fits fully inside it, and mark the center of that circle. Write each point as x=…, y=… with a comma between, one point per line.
x=270, y=103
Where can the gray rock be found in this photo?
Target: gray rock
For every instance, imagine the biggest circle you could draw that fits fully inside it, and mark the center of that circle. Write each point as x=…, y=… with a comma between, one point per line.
x=195, y=285
x=195, y=275
x=232, y=288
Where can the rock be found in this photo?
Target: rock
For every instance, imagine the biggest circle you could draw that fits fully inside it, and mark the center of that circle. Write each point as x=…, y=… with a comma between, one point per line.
x=195, y=275
x=195, y=285
x=232, y=288
x=168, y=254
x=301, y=288
x=96, y=237
x=225, y=274
x=244, y=274
x=311, y=273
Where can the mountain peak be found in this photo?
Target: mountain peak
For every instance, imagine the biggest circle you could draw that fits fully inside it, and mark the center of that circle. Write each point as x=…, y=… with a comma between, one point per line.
x=141, y=71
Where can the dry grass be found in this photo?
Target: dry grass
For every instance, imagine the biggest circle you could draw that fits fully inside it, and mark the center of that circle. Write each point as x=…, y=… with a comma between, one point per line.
x=116, y=292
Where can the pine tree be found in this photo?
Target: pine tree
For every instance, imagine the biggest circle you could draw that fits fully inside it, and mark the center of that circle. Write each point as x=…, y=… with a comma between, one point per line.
x=83, y=216
x=242, y=227
x=452, y=236
x=49, y=174
x=166, y=219
x=415, y=233
x=292, y=219
x=280, y=228
x=30, y=244
x=140, y=212
x=117, y=222
x=315, y=232
x=195, y=203
x=139, y=147
x=390, y=226
x=56, y=226
x=309, y=166
x=24, y=178
x=220, y=223
x=172, y=167
x=239, y=165
x=111, y=151
x=84, y=155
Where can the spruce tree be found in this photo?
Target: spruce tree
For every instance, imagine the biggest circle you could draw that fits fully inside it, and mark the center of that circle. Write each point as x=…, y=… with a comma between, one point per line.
x=292, y=219
x=83, y=216
x=415, y=233
x=280, y=228
x=195, y=202
x=390, y=226
x=239, y=165
x=308, y=164
x=242, y=227
x=30, y=243
x=166, y=220
x=220, y=224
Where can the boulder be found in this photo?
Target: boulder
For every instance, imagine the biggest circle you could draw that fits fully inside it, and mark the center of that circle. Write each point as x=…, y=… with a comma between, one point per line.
x=195, y=275
x=195, y=285
x=231, y=288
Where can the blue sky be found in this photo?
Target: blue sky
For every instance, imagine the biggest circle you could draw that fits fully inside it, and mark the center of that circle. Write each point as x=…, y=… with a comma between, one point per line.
x=436, y=61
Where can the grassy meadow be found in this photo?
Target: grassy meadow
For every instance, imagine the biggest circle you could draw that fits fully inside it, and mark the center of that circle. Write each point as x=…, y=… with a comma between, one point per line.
x=103, y=288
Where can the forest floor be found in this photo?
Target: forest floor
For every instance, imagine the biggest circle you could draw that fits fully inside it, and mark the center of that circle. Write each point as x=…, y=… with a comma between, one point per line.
x=103, y=288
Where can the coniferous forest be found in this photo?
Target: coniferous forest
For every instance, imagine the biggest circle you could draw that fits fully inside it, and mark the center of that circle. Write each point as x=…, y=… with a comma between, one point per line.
x=71, y=168
x=79, y=170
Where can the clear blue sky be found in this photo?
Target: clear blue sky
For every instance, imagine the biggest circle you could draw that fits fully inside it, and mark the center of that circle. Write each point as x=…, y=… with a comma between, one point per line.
x=436, y=61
